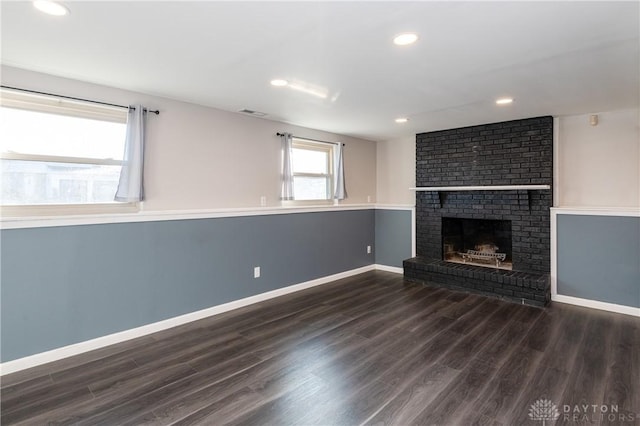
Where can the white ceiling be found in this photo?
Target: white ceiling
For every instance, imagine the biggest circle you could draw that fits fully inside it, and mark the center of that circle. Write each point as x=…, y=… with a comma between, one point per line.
x=554, y=58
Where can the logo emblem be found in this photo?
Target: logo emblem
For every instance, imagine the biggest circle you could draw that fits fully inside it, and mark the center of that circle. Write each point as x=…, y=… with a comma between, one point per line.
x=544, y=410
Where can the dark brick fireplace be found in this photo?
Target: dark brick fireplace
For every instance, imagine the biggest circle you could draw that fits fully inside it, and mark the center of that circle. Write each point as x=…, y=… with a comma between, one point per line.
x=510, y=153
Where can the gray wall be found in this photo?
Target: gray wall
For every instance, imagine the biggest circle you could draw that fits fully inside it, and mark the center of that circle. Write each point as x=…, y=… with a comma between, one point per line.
x=64, y=285
x=393, y=237
x=599, y=258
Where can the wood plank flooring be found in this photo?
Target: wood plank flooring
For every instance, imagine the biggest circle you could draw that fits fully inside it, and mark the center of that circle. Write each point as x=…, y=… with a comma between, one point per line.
x=370, y=349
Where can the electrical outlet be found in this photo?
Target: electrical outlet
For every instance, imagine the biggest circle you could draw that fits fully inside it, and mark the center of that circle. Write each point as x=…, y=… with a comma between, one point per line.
x=368, y=249
x=256, y=272
x=263, y=201
x=368, y=198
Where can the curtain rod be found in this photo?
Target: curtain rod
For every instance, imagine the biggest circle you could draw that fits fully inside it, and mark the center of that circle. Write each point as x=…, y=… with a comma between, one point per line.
x=156, y=112
x=309, y=139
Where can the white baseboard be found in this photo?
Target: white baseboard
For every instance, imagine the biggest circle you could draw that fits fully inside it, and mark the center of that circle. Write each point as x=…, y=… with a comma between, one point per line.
x=594, y=304
x=395, y=269
x=100, y=342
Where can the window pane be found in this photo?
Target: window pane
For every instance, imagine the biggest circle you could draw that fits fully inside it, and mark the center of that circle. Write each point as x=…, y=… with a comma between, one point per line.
x=38, y=133
x=36, y=182
x=310, y=188
x=310, y=161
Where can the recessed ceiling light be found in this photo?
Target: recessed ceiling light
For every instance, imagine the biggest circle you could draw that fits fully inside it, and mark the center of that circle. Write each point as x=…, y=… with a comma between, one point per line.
x=50, y=7
x=279, y=82
x=402, y=120
x=504, y=101
x=404, y=39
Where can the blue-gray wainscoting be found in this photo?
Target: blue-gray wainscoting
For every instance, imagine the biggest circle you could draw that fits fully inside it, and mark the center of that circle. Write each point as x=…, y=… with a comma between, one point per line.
x=393, y=236
x=599, y=258
x=64, y=285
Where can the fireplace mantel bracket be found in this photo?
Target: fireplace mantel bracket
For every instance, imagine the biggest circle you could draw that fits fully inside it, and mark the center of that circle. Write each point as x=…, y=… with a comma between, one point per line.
x=522, y=200
x=442, y=196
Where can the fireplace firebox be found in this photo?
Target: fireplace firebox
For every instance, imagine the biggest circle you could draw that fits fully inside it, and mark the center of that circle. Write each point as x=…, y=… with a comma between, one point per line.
x=479, y=242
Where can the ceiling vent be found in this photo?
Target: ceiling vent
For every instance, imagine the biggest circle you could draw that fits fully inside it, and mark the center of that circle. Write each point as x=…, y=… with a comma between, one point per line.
x=252, y=112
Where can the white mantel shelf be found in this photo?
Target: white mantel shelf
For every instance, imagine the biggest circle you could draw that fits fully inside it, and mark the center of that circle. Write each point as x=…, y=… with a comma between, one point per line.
x=482, y=188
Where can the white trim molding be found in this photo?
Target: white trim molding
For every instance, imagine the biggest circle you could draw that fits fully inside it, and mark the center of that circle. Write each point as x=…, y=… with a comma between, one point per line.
x=395, y=207
x=598, y=211
x=587, y=211
x=413, y=232
x=100, y=342
x=386, y=268
x=553, y=276
x=594, y=304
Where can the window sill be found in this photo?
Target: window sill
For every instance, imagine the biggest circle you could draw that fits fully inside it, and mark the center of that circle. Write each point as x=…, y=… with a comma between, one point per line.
x=309, y=203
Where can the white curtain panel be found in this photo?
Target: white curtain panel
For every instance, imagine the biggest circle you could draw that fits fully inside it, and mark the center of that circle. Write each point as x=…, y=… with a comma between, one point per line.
x=340, y=192
x=286, y=192
x=130, y=187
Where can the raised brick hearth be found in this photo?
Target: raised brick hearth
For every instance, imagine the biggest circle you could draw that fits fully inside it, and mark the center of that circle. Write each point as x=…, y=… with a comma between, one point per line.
x=511, y=153
x=520, y=287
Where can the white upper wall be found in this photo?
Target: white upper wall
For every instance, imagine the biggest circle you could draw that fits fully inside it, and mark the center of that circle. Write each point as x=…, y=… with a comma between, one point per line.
x=599, y=166
x=203, y=158
x=396, y=163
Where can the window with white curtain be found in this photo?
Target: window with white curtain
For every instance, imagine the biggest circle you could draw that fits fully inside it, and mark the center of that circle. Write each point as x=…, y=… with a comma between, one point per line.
x=58, y=152
x=312, y=167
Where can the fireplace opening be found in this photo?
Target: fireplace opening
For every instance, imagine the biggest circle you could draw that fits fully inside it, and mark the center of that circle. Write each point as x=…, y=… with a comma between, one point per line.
x=477, y=242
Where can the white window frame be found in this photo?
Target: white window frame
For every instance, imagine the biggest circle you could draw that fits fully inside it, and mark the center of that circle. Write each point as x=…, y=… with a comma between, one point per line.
x=312, y=145
x=60, y=106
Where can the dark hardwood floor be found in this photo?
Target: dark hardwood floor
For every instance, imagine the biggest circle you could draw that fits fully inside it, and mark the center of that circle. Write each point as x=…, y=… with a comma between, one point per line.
x=370, y=349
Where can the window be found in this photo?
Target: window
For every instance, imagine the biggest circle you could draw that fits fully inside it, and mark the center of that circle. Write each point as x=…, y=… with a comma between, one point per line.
x=59, y=152
x=312, y=167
